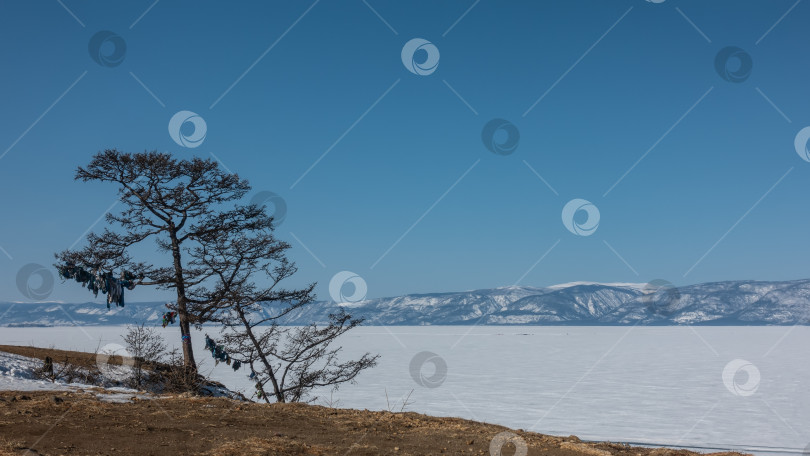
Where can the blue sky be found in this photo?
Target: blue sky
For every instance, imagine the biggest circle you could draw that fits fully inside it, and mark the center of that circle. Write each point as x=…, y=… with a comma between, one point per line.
x=406, y=195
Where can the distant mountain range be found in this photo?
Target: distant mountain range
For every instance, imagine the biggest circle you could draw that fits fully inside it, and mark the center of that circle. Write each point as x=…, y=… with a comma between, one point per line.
x=580, y=303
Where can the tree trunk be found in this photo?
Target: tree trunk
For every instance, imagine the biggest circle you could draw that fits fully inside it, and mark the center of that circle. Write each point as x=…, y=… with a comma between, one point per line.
x=185, y=336
x=276, y=389
x=182, y=312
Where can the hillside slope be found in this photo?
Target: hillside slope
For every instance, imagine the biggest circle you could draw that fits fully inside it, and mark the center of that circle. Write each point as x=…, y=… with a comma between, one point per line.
x=77, y=423
x=719, y=303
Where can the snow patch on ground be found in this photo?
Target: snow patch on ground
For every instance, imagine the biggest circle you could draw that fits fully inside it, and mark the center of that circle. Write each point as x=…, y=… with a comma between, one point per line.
x=17, y=374
x=121, y=398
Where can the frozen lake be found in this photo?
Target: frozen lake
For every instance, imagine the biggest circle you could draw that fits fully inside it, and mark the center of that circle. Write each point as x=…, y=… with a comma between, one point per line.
x=656, y=385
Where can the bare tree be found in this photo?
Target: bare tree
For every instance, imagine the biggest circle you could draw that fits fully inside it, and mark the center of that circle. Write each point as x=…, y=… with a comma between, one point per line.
x=286, y=363
x=146, y=346
x=173, y=202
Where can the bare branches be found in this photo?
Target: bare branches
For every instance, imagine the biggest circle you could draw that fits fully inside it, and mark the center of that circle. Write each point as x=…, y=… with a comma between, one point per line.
x=289, y=362
x=146, y=347
x=175, y=203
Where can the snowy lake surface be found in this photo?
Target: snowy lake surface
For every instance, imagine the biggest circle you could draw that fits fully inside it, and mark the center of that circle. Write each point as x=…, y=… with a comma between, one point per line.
x=705, y=388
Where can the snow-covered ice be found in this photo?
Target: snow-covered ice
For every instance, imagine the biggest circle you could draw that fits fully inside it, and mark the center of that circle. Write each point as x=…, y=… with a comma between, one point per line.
x=656, y=385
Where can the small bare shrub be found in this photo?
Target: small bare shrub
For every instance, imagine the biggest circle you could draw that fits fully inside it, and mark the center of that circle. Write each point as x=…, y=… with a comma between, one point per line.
x=175, y=377
x=147, y=348
x=66, y=372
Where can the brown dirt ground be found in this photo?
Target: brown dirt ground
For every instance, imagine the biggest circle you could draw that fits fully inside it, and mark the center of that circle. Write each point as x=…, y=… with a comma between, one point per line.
x=77, y=422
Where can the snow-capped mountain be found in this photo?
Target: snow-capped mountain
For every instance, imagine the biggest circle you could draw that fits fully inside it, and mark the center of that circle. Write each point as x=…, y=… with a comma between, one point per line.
x=579, y=303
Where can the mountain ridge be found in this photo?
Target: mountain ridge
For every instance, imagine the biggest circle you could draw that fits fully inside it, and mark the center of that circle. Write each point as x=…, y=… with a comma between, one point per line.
x=743, y=302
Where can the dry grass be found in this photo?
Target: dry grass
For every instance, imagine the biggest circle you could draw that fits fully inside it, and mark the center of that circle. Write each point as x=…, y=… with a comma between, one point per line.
x=255, y=446
x=79, y=423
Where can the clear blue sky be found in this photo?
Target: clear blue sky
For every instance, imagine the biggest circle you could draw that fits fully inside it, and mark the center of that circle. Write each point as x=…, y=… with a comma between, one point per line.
x=617, y=77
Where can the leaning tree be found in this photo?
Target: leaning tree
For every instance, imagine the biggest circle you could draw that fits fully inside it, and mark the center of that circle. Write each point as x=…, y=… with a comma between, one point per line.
x=286, y=362
x=176, y=204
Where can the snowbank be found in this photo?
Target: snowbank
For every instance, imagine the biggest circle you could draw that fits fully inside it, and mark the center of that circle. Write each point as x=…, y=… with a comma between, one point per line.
x=17, y=374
